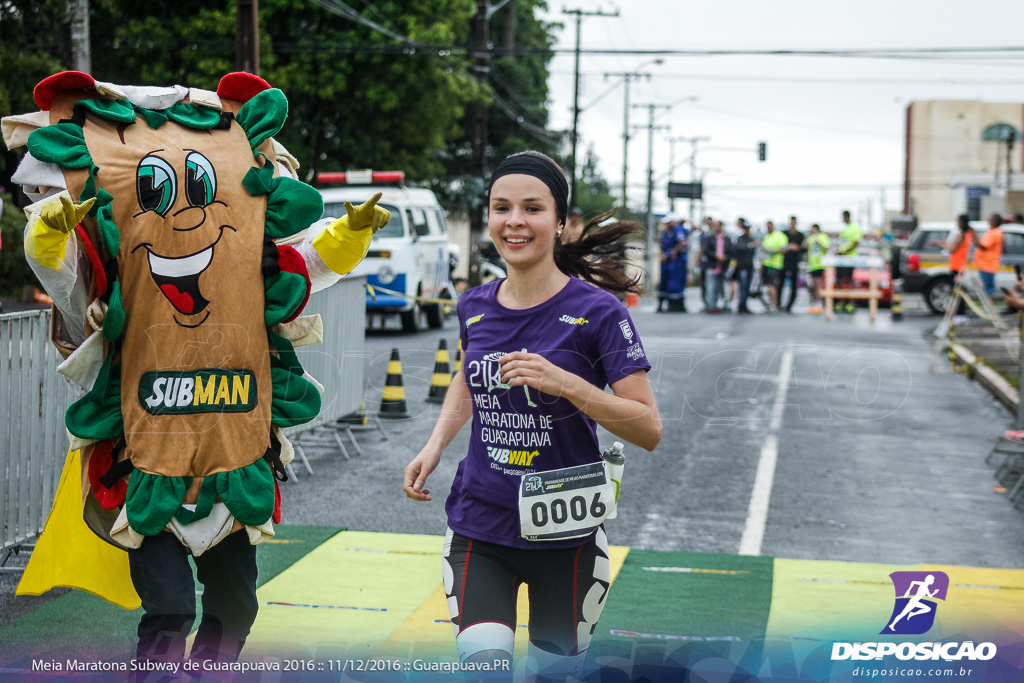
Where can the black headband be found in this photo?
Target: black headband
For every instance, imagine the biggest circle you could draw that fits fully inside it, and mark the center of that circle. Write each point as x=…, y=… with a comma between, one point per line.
x=544, y=170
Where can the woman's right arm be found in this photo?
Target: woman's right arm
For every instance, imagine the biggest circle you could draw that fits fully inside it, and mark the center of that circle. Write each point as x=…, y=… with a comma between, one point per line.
x=455, y=413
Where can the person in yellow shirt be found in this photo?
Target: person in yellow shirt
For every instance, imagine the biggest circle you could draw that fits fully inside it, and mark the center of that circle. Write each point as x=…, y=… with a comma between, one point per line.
x=773, y=246
x=849, y=238
x=988, y=252
x=817, y=246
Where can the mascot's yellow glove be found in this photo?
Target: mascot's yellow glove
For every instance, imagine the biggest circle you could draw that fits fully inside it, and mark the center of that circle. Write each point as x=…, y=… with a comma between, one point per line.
x=47, y=239
x=344, y=243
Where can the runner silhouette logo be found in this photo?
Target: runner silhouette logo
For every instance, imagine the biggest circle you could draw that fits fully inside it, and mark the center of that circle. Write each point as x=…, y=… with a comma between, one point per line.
x=916, y=593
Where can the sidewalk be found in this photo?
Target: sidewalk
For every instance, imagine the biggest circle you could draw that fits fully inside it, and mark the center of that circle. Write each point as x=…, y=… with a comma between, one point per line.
x=976, y=349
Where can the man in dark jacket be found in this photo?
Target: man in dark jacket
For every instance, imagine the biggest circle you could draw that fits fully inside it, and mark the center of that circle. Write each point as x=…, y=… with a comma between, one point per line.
x=743, y=249
x=791, y=263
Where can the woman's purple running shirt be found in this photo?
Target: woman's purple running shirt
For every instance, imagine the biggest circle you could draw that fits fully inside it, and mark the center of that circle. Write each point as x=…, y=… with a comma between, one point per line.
x=518, y=430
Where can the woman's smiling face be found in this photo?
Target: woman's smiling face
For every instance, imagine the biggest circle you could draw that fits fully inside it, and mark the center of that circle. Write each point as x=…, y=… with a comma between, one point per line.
x=522, y=220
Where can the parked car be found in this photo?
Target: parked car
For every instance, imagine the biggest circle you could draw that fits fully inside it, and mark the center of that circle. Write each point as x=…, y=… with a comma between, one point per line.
x=883, y=277
x=408, y=256
x=923, y=267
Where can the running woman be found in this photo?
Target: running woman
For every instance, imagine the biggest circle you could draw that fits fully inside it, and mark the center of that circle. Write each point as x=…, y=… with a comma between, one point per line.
x=539, y=348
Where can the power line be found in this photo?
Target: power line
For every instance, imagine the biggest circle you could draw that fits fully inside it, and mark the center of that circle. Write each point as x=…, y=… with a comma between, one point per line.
x=1016, y=52
x=795, y=79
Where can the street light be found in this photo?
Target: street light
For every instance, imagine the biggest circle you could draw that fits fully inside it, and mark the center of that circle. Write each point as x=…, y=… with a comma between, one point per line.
x=627, y=77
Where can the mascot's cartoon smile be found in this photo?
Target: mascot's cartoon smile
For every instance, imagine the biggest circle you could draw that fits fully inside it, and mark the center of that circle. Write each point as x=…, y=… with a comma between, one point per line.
x=178, y=277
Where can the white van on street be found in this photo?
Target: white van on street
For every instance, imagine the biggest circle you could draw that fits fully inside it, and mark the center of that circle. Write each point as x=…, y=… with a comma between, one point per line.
x=409, y=256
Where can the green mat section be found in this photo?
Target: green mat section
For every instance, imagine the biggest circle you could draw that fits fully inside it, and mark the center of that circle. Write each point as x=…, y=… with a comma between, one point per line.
x=82, y=625
x=707, y=606
x=723, y=595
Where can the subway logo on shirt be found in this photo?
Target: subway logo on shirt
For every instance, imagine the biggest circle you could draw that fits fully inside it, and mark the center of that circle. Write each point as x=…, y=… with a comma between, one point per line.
x=200, y=391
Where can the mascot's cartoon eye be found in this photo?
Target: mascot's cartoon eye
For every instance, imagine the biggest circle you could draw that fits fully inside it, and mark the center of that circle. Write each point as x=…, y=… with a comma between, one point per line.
x=157, y=185
x=200, y=180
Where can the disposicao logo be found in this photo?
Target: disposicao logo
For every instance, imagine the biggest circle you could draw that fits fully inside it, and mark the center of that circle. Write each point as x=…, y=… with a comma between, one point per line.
x=913, y=614
x=916, y=592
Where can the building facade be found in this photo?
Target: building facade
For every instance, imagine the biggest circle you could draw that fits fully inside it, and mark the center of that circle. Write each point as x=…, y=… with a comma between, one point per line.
x=963, y=156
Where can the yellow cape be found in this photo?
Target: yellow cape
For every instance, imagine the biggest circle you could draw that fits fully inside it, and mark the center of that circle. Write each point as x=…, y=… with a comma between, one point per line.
x=69, y=554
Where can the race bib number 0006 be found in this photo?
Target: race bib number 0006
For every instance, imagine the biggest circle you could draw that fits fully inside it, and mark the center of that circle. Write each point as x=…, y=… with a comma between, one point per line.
x=566, y=503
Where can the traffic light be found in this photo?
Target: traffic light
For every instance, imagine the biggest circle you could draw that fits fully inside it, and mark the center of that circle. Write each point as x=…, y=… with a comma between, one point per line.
x=762, y=151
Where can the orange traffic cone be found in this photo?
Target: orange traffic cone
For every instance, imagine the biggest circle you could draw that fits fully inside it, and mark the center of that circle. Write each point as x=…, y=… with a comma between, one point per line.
x=392, y=402
x=442, y=378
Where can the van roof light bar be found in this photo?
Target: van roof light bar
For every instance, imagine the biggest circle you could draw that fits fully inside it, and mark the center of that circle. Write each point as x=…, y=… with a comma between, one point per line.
x=361, y=177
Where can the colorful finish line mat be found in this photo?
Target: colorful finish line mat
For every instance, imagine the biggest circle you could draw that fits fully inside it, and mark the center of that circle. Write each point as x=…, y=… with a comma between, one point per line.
x=370, y=607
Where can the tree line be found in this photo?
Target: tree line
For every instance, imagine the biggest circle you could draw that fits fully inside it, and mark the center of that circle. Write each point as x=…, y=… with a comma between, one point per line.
x=375, y=94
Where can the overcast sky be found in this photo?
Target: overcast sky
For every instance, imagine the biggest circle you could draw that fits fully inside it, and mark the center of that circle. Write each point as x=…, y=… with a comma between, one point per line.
x=833, y=125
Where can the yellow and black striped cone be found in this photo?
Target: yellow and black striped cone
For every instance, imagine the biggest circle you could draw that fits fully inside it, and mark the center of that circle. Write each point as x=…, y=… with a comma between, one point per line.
x=458, y=359
x=441, y=379
x=392, y=402
x=896, y=307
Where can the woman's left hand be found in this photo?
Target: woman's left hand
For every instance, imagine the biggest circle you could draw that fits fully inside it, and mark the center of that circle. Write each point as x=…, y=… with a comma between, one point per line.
x=520, y=368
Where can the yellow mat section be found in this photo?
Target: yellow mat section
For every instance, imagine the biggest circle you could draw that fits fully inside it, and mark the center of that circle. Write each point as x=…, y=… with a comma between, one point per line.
x=428, y=633
x=980, y=602
x=822, y=600
x=345, y=597
x=362, y=593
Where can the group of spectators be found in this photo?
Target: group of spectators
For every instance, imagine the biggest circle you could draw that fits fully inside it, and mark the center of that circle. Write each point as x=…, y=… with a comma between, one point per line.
x=729, y=269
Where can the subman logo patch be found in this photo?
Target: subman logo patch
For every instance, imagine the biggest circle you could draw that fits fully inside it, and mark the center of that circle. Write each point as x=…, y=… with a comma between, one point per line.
x=199, y=391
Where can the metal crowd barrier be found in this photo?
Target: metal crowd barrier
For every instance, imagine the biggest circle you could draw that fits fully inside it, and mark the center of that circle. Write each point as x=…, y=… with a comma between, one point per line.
x=32, y=433
x=338, y=363
x=33, y=440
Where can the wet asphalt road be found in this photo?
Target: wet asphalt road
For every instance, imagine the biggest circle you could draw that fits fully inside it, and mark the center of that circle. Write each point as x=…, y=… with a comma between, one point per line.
x=877, y=459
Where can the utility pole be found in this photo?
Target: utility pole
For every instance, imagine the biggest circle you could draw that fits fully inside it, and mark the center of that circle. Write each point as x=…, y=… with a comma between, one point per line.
x=1010, y=137
x=80, y=55
x=627, y=77
x=650, y=186
x=482, y=66
x=576, y=93
x=247, y=36
x=672, y=165
x=693, y=169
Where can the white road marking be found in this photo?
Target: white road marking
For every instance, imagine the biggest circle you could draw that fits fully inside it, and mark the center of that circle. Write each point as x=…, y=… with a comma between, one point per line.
x=760, y=497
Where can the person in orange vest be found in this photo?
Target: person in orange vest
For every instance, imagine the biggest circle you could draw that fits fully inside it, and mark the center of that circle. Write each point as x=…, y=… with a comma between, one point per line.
x=987, y=253
x=960, y=245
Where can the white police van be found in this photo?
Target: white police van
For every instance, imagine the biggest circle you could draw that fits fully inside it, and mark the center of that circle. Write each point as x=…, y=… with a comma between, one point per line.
x=409, y=255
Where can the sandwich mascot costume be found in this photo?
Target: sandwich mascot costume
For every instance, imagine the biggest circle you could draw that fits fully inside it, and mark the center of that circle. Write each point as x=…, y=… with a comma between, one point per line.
x=179, y=249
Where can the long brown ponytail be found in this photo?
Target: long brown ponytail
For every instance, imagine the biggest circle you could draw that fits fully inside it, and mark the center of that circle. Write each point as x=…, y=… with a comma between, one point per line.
x=597, y=255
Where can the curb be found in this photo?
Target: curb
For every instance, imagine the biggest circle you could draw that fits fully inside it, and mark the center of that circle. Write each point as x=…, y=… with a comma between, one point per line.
x=987, y=377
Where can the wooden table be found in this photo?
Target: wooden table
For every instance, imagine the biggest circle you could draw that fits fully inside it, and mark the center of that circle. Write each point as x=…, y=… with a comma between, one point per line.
x=830, y=293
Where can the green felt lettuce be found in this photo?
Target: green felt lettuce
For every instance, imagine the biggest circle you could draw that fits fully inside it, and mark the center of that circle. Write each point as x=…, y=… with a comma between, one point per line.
x=248, y=492
x=97, y=415
x=193, y=116
x=110, y=236
x=263, y=116
x=295, y=399
x=292, y=207
x=62, y=144
x=113, y=320
x=153, y=500
x=120, y=111
x=285, y=294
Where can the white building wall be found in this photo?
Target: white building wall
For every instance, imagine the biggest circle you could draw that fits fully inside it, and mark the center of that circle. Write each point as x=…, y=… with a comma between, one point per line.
x=946, y=151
